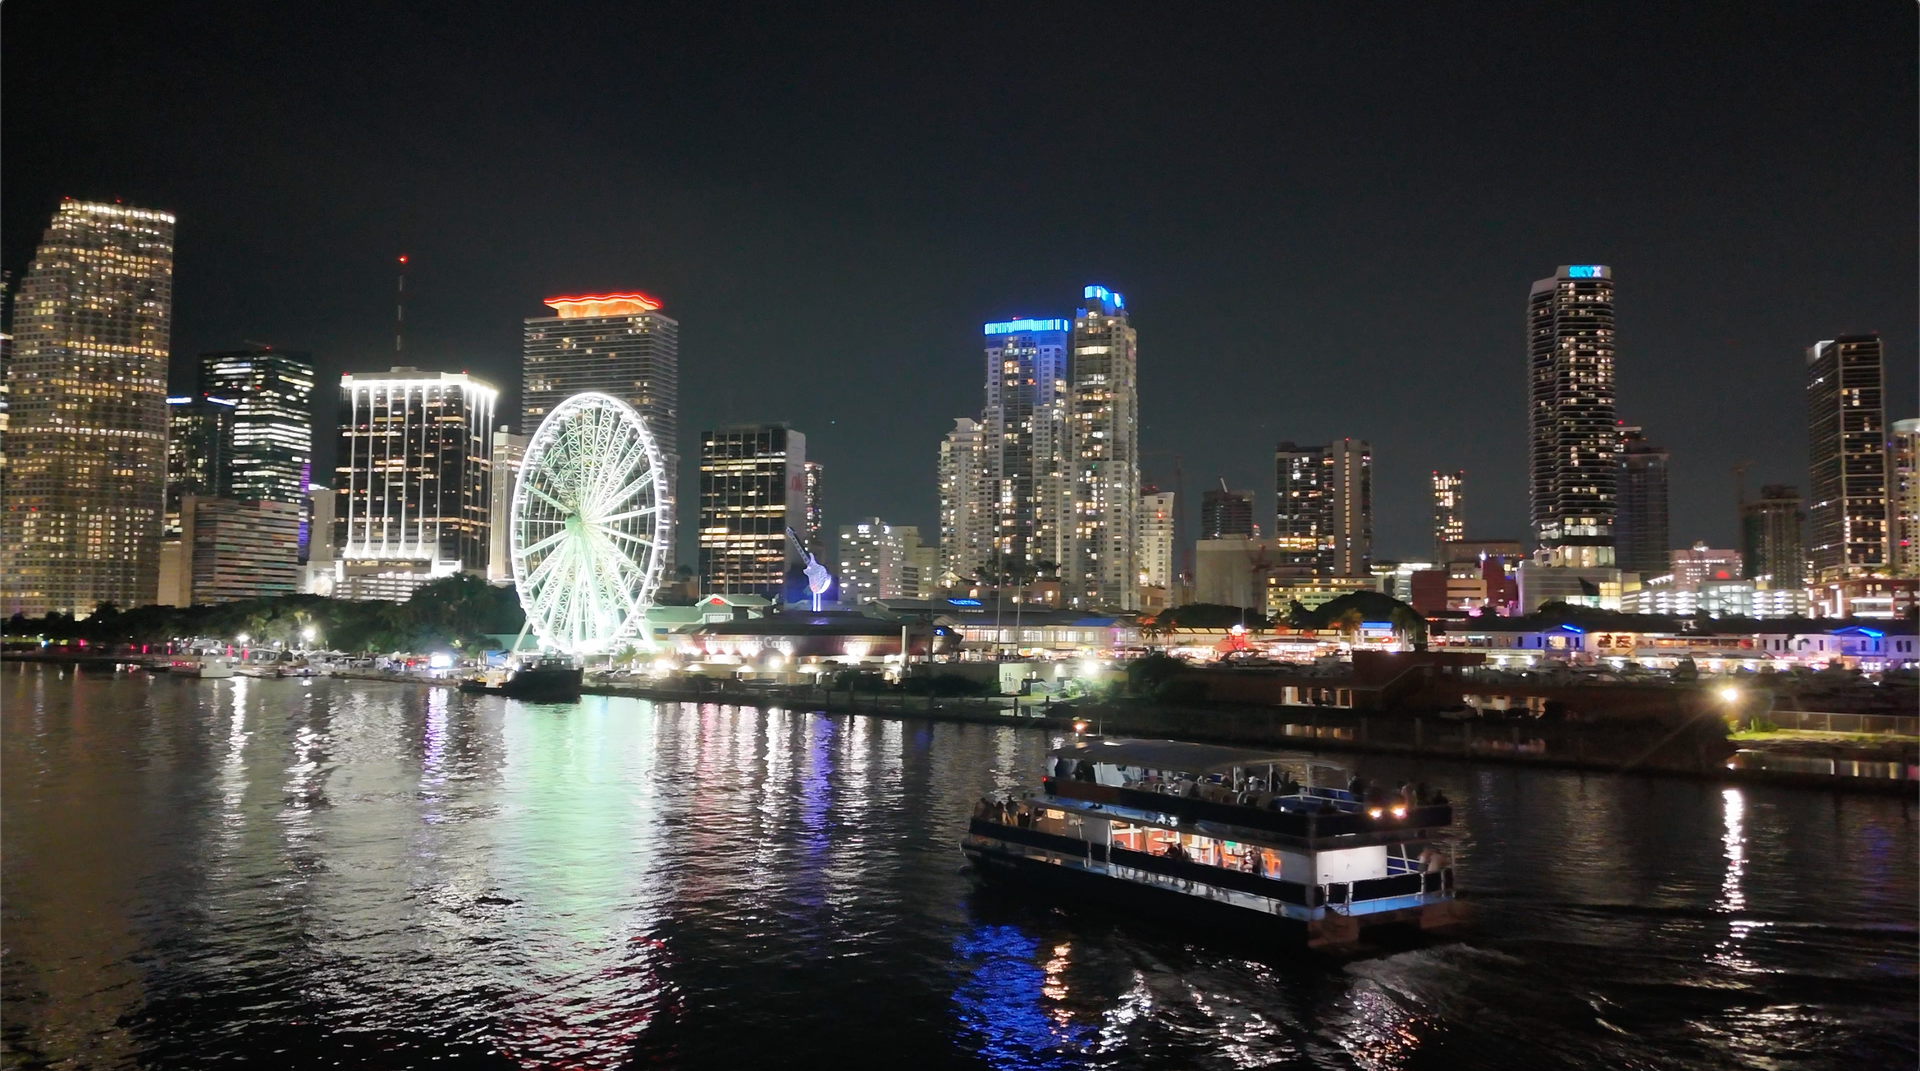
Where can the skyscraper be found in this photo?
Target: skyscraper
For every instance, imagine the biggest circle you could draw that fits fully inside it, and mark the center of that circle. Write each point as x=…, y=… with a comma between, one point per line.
x=812, y=534
x=1641, y=541
x=618, y=344
x=1847, y=451
x=1226, y=514
x=1771, y=546
x=1027, y=439
x=87, y=442
x=1449, y=511
x=1104, y=418
x=412, y=480
x=199, y=434
x=507, y=452
x=1570, y=353
x=1903, y=456
x=1155, y=553
x=873, y=562
x=1323, y=507
x=753, y=487
x=269, y=457
x=966, y=515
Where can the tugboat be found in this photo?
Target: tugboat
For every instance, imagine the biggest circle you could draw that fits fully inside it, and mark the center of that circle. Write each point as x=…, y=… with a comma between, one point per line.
x=550, y=681
x=1259, y=841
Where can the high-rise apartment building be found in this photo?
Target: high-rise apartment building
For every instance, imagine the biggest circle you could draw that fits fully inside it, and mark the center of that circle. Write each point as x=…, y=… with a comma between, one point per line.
x=1699, y=564
x=1449, y=511
x=1570, y=355
x=1323, y=507
x=618, y=344
x=812, y=534
x=1156, y=524
x=919, y=564
x=1104, y=419
x=232, y=550
x=87, y=439
x=1226, y=514
x=1771, y=544
x=412, y=486
x=199, y=434
x=1847, y=451
x=873, y=562
x=1640, y=537
x=270, y=448
x=1027, y=440
x=507, y=453
x=753, y=487
x=966, y=508
x=319, y=562
x=1903, y=461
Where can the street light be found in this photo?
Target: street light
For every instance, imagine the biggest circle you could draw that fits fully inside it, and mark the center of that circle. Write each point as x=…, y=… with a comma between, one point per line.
x=242, y=639
x=1730, y=694
x=310, y=633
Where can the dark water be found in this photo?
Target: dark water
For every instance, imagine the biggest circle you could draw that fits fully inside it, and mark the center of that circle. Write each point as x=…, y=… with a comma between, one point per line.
x=340, y=874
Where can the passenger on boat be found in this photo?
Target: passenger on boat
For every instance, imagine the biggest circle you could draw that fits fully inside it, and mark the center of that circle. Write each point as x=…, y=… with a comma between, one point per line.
x=1357, y=786
x=1288, y=786
x=1175, y=852
x=1431, y=861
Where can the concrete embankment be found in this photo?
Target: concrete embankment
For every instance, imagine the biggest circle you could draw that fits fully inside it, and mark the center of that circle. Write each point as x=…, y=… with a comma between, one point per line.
x=1695, y=749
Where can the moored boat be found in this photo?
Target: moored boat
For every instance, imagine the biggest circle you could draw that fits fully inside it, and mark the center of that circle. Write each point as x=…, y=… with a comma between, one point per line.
x=1248, y=839
x=208, y=666
x=540, y=682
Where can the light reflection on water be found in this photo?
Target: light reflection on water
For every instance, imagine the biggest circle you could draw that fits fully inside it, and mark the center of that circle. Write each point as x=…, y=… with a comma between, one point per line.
x=314, y=872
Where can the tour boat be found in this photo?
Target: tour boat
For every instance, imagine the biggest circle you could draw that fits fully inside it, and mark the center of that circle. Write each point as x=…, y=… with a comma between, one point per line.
x=540, y=682
x=1251, y=840
x=206, y=666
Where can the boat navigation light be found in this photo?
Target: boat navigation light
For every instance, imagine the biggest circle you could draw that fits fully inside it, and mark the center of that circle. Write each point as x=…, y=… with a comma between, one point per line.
x=1080, y=726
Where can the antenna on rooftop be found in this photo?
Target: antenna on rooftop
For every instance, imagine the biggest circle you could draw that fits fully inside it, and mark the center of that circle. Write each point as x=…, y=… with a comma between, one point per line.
x=400, y=312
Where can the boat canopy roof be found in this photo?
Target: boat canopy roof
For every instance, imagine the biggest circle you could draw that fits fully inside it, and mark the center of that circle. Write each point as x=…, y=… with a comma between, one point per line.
x=1182, y=755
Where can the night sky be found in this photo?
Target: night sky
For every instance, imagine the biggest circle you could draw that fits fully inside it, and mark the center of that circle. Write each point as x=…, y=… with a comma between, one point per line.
x=1325, y=217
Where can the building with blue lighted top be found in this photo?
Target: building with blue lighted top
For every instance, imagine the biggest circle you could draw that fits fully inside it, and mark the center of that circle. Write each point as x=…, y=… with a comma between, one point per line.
x=1027, y=438
x=1104, y=453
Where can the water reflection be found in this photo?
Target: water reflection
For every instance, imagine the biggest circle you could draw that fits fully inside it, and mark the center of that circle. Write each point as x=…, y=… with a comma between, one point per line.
x=1005, y=1003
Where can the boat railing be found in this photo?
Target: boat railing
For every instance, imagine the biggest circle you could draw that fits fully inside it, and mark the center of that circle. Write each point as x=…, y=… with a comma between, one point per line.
x=1326, y=819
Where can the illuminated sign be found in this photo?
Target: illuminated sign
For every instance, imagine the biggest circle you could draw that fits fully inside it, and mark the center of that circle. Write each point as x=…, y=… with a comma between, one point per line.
x=585, y=305
x=1104, y=294
x=180, y=401
x=1587, y=271
x=1021, y=327
x=963, y=602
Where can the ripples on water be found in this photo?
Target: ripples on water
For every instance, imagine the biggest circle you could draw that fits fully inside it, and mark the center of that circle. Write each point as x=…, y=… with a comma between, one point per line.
x=345, y=874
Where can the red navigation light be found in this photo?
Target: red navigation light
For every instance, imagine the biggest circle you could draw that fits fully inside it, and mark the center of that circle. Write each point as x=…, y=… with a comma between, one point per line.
x=585, y=305
x=403, y=260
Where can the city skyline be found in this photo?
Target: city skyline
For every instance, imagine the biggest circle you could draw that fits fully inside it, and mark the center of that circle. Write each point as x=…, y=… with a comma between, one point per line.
x=769, y=337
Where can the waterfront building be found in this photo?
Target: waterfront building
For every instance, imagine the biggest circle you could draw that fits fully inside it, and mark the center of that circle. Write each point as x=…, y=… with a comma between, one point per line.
x=1847, y=453
x=1641, y=540
x=810, y=535
x=1699, y=564
x=233, y=550
x=752, y=489
x=1578, y=580
x=1323, y=507
x=618, y=344
x=1570, y=353
x=1156, y=540
x=413, y=494
x=1104, y=452
x=507, y=453
x=87, y=439
x=1449, y=509
x=1903, y=456
x=1226, y=514
x=1027, y=438
x=966, y=514
x=199, y=433
x=269, y=454
x=1770, y=536
x=873, y=562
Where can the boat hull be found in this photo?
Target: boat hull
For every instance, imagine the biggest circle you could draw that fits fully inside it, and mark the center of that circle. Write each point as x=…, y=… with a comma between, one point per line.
x=543, y=685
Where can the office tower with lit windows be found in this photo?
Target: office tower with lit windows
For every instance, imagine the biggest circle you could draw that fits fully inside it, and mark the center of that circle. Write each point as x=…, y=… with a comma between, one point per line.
x=753, y=487
x=1772, y=546
x=1640, y=538
x=618, y=344
x=1903, y=465
x=1104, y=452
x=873, y=562
x=1226, y=514
x=1449, y=511
x=1323, y=508
x=966, y=514
x=412, y=487
x=508, y=451
x=1847, y=454
x=1154, y=553
x=199, y=434
x=811, y=534
x=1570, y=356
x=270, y=448
x=1027, y=438
x=87, y=439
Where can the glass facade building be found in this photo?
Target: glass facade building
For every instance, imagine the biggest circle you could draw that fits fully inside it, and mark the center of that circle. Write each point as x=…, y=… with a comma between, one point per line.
x=1226, y=514
x=270, y=456
x=1449, y=511
x=1104, y=453
x=753, y=487
x=1847, y=455
x=199, y=430
x=1570, y=357
x=1026, y=435
x=87, y=438
x=1641, y=538
x=1772, y=543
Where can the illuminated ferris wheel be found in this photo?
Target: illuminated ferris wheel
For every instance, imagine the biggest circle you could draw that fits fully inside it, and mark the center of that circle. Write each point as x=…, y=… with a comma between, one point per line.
x=589, y=525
